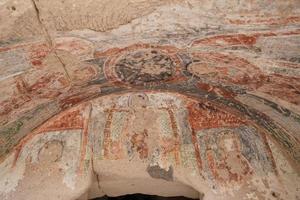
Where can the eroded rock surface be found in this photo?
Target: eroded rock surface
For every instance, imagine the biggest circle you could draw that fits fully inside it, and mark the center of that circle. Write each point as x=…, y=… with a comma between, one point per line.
x=173, y=98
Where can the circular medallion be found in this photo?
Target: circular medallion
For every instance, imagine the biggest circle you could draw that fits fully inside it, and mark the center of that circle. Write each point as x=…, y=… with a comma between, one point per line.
x=225, y=69
x=144, y=66
x=140, y=65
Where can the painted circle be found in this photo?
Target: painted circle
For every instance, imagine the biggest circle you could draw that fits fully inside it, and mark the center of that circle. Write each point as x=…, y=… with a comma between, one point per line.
x=51, y=151
x=144, y=66
x=138, y=100
x=228, y=69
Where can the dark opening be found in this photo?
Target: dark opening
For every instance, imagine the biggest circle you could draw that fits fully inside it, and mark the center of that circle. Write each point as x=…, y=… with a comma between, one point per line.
x=142, y=197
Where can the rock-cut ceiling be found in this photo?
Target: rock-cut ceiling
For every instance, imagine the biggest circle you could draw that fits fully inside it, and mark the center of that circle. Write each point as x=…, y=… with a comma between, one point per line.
x=109, y=97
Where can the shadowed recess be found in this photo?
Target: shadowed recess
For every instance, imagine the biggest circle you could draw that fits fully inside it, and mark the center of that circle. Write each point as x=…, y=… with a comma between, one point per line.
x=142, y=197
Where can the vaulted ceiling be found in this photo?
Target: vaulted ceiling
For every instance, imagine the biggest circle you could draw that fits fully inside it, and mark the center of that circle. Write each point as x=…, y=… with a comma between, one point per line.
x=204, y=93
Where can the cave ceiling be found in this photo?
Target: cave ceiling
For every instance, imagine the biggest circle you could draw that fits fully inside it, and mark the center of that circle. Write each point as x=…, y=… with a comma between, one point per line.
x=197, y=92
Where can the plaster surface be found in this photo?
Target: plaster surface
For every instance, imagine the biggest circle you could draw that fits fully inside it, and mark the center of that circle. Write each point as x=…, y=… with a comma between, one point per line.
x=190, y=98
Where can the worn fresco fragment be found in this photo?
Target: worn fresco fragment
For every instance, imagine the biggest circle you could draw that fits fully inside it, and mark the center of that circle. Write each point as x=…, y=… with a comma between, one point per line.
x=202, y=94
x=234, y=154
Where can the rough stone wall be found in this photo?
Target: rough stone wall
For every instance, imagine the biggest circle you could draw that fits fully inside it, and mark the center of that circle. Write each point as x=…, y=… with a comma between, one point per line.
x=200, y=93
